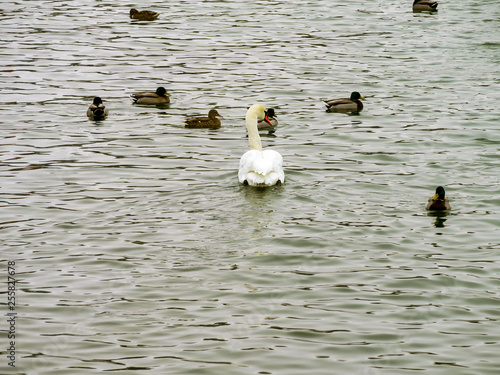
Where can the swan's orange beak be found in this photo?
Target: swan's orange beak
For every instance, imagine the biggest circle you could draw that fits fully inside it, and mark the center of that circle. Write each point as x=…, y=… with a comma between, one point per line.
x=266, y=119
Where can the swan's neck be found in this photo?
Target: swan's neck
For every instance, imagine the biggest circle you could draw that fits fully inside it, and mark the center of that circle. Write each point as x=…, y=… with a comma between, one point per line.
x=253, y=132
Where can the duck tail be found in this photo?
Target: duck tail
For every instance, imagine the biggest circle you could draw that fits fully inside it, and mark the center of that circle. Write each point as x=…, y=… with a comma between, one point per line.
x=98, y=112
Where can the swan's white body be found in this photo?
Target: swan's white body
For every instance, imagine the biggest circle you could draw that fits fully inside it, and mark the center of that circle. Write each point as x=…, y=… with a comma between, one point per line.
x=257, y=167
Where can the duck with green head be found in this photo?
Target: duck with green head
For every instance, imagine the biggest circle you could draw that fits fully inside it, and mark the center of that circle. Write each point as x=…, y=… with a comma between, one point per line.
x=352, y=104
x=97, y=110
x=270, y=124
x=160, y=96
x=425, y=6
x=438, y=202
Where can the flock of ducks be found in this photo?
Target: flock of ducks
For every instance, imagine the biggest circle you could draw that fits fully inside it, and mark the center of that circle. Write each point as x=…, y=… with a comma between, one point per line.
x=149, y=15
x=259, y=167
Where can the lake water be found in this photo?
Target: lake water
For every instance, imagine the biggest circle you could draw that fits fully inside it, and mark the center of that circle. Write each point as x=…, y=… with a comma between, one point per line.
x=136, y=250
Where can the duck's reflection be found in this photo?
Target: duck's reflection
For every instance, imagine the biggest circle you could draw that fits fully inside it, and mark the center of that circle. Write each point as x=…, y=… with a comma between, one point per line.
x=440, y=218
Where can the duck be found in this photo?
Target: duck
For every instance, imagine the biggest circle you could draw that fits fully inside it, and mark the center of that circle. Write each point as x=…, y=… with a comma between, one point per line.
x=269, y=125
x=161, y=96
x=438, y=202
x=259, y=167
x=425, y=5
x=97, y=110
x=210, y=122
x=353, y=104
x=143, y=15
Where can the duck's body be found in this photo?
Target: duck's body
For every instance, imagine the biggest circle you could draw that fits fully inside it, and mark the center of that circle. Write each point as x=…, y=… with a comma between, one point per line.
x=97, y=110
x=143, y=15
x=425, y=6
x=270, y=124
x=259, y=167
x=352, y=104
x=210, y=122
x=438, y=202
x=151, y=98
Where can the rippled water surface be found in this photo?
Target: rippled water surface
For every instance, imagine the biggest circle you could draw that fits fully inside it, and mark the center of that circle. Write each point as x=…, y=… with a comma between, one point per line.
x=137, y=251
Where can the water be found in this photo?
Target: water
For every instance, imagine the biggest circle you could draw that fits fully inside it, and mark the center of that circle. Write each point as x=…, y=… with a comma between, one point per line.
x=137, y=251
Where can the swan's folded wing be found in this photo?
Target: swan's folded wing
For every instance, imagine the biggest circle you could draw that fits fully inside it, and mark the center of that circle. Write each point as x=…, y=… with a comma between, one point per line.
x=261, y=168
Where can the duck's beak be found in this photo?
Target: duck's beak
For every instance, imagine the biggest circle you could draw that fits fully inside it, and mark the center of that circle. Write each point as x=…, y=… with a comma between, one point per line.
x=362, y=98
x=266, y=119
x=435, y=197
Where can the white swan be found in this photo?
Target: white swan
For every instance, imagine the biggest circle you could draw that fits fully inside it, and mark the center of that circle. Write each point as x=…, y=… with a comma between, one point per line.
x=257, y=167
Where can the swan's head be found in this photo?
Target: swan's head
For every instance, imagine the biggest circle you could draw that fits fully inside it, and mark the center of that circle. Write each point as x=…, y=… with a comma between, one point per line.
x=259, y=111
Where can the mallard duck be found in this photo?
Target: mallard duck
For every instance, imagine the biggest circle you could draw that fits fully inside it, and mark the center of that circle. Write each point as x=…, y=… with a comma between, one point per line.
x=425, y=5
x=211, y=122
x=144, y=15
x=161, y=96
x=270, y=124
x=353, y=104
x=259, y=167
x=97, y=110
x=438, y=202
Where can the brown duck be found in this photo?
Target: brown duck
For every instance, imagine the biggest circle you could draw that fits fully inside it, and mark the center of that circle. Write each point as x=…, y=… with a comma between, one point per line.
x=143, y=15
x=210, y=122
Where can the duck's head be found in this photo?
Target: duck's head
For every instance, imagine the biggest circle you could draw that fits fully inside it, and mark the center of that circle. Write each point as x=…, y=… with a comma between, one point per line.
x=270, y=112
x=97, y=100
x=133, y=11
x=213, y=113
x=440, y=193
x=356, y=96
x=161, y=91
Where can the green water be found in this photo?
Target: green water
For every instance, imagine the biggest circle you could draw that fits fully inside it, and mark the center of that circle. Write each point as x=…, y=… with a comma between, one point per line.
x=137, y=251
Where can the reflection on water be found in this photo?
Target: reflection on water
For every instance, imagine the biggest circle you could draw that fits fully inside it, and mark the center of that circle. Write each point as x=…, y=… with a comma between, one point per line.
x=440, y=218
x=139, y=251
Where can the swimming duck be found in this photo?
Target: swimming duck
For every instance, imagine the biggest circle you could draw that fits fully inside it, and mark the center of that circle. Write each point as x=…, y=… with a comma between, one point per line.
x=425, y=5
x=210, y=122
x=259, y=167
x=353, y=104
x=97, y=110
x=143, y=15
x=269, y=125
x=438, y=202
x=161, y=96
